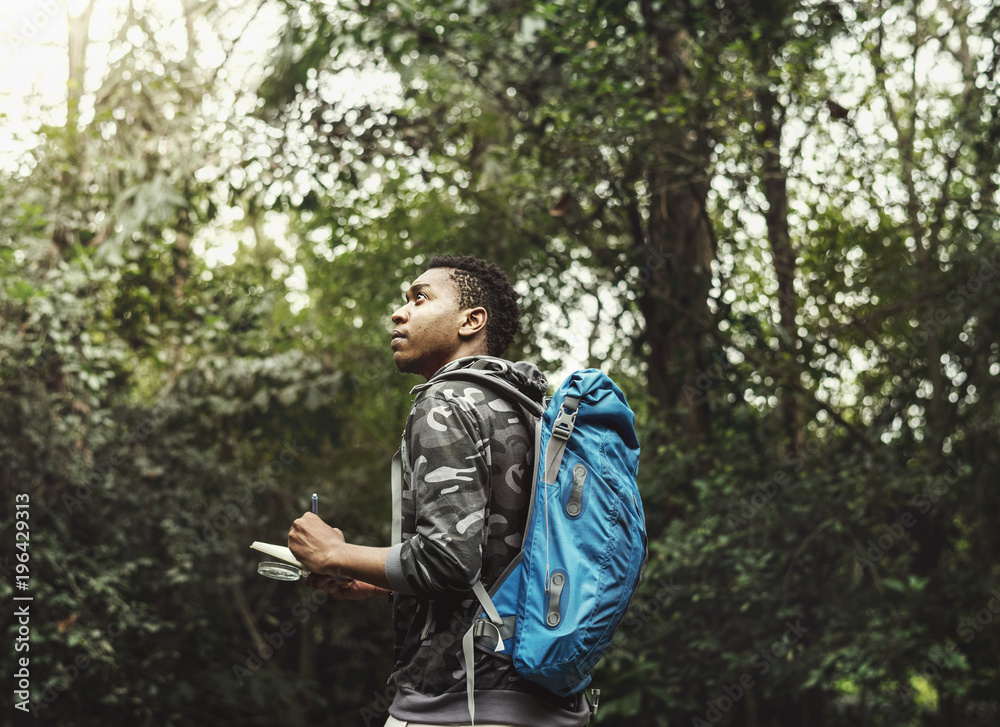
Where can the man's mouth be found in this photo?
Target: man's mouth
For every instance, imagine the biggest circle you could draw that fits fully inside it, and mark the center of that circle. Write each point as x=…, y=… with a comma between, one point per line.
x=396, y=336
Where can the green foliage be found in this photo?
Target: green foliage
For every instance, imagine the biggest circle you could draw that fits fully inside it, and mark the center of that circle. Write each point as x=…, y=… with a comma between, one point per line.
x=823, y=548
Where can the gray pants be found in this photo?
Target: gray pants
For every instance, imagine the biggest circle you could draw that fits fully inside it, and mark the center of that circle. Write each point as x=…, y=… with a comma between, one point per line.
x=393, y=722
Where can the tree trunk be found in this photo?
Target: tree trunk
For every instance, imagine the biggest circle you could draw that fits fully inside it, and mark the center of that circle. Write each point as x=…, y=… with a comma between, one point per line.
x=190, y=13
x=948, y=711
x=813, y=707
x=78, y=39
x=675, y=265
x=775, y=187
x=676, y=275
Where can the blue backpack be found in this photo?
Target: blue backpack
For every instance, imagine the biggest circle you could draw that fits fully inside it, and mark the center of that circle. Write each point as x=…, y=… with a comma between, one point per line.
x=556, y=608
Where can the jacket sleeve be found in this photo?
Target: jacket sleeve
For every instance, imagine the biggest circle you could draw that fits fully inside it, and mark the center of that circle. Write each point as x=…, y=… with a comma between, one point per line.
x=449, y=486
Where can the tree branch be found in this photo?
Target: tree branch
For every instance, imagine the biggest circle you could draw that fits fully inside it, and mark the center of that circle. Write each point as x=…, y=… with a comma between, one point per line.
x=797, y=385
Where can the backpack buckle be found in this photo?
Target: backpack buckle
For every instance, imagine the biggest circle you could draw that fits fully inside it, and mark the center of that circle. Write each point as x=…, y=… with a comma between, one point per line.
x=479, y=629
x=593, y=700
x=565, y=421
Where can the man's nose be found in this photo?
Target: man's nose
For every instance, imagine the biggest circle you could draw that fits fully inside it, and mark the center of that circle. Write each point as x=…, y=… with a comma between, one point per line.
x=399, y=316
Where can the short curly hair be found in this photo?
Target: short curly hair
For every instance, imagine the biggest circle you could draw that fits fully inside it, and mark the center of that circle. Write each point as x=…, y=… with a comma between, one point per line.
x=483, y=284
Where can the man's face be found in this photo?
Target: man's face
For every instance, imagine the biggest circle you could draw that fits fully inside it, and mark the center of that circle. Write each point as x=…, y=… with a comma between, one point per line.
x=426, y=335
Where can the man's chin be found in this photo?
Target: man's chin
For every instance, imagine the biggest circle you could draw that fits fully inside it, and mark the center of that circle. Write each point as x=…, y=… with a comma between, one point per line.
x=409, y=366
x=403, y=365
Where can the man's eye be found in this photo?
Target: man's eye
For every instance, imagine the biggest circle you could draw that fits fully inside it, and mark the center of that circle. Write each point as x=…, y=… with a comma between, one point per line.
x=421, y=295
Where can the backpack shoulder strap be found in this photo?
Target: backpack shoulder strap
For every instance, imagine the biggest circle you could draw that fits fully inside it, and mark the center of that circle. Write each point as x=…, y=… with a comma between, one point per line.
x=531, y=412
x=530, y=409
x=397, y=497
x=468, y=644
x=562, y=427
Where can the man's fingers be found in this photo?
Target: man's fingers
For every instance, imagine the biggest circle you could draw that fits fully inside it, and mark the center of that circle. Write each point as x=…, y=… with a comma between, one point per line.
x=307, y=519
x=319, y=581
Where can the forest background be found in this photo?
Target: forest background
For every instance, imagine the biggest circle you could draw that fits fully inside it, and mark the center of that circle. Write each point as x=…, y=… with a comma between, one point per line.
x=774, y=223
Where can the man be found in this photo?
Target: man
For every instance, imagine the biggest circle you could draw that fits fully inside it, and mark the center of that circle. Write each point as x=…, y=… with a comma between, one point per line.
x=466, y=464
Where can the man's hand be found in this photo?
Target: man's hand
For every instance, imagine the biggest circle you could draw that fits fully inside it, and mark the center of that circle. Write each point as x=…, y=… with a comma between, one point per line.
x=323, y=550
x=315, y=544
x=344, y=589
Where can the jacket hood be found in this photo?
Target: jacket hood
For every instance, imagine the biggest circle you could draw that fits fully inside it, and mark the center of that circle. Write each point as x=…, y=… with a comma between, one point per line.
x=522, y=375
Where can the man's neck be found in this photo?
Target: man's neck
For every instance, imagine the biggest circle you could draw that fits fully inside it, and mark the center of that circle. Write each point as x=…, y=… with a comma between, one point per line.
x=453, y=360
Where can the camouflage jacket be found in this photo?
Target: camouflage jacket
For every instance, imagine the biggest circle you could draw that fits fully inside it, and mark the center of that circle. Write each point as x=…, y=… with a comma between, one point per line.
x=467, y=457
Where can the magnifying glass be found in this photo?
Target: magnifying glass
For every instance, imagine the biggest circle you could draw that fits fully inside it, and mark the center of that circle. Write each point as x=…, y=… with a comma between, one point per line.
x=281, y=571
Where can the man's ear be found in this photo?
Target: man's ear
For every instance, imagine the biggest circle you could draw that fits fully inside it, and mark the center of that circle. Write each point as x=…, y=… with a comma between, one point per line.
x=474, y=322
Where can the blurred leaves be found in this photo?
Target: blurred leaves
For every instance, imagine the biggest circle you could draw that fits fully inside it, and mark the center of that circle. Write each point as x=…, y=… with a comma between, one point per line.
x=195, y=291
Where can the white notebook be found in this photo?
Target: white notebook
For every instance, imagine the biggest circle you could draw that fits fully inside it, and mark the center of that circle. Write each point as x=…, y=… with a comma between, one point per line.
x=280, y=552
